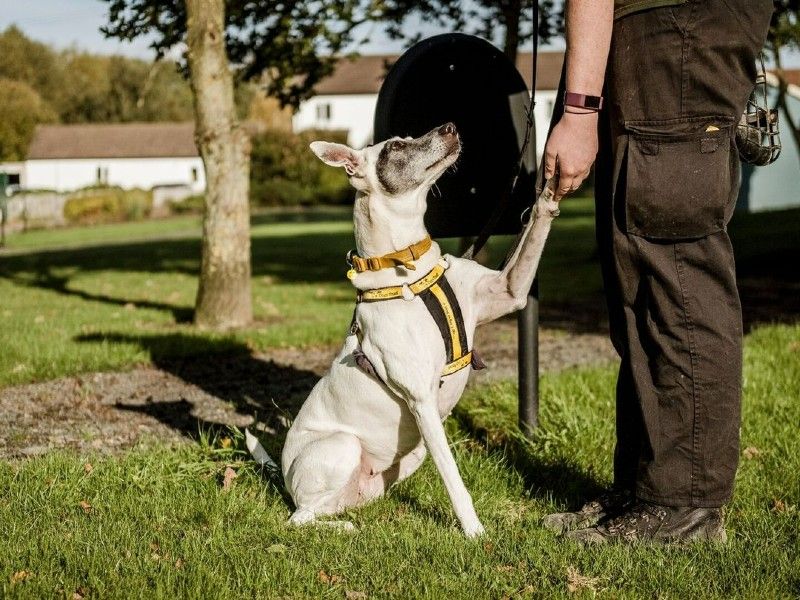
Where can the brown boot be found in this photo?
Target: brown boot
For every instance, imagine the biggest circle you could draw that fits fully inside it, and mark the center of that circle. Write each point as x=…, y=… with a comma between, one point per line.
x=590, y=514
x=651, y=523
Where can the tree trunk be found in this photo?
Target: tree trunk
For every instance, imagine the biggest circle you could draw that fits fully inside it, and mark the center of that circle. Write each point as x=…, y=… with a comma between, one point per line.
x=512, y=16
x=223, y=296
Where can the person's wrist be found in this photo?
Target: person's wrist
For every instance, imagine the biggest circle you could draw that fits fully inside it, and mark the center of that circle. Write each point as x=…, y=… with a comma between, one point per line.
x=579, y=115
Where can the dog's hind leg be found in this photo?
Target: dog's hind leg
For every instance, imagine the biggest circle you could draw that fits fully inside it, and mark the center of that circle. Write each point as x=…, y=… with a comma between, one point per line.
x=324, y=478
x=375, y=486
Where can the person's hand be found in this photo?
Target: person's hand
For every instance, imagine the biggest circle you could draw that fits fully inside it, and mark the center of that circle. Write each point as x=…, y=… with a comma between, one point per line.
x=571, y=150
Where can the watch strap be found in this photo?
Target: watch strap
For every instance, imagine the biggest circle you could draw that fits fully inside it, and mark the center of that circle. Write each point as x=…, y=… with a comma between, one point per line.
x=583, y=101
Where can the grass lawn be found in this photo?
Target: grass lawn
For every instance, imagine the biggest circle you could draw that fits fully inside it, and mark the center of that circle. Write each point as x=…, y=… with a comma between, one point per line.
x=158, y=522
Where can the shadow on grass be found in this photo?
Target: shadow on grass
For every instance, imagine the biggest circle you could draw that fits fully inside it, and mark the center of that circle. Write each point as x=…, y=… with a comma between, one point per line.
x=48, y=281
x=224, y=368
x=564, y=482
x=766, y=247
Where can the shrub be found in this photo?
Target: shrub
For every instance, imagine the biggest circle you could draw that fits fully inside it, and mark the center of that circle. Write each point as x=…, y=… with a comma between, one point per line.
x=284, y=171
x=193, y=205
x=107, y=205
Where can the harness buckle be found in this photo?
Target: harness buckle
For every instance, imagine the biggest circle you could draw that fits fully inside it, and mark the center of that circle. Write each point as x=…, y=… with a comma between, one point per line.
x=349, y=257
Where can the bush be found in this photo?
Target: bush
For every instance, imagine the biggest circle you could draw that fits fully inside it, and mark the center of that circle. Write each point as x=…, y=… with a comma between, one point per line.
x=285, y=172
x=107, y=205
x=193, y=205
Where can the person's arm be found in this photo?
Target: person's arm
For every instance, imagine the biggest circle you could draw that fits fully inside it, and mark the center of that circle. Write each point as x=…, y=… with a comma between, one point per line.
x=573, y=142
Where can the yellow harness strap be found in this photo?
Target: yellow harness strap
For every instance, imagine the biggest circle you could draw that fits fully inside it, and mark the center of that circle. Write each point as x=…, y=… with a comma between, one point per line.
x=441, y=302
x=396, y=291
x=402, y=257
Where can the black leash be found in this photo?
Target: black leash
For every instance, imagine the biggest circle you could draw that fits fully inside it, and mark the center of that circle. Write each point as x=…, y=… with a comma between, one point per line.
x=488, y=229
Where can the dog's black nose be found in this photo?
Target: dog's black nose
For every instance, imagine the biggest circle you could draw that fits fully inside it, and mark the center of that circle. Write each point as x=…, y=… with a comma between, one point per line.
x=447, y=129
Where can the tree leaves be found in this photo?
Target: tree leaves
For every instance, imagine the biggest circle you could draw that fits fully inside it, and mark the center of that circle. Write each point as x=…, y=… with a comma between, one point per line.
x=287, y=46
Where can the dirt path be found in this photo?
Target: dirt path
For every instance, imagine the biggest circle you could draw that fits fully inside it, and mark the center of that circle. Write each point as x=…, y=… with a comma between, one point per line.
x=109, y=412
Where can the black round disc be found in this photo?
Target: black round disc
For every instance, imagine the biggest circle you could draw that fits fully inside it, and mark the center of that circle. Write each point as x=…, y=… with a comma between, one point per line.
x=464, y=79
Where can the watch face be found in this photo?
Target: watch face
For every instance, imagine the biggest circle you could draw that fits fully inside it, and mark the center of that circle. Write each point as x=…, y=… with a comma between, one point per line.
x=465, y=80
x=583, y=100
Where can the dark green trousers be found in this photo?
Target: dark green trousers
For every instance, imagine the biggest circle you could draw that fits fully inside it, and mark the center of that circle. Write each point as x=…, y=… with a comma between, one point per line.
x=667, y=179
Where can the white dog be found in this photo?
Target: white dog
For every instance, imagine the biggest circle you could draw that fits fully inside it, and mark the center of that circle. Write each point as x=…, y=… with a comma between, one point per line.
x=368, y=422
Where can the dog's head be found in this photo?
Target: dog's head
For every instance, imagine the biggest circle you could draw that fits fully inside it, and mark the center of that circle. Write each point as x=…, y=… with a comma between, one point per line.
x=398, y=166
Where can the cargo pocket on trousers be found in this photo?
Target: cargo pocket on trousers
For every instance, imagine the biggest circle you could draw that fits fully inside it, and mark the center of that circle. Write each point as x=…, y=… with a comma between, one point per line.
x=678, y=185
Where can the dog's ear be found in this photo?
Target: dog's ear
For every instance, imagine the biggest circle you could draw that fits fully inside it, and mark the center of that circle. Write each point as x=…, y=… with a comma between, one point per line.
x=339, y=155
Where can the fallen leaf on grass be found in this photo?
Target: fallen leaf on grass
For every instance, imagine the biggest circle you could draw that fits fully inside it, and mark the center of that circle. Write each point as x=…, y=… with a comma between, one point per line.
x=277, y=548
x=79, y=594
x=88, y=468
x=87, y=508
x=751, y=452
x=780, y=507
x=329, y=579
x=504, y=568
x=19, y=368
x=179, y=563
x=21, y=576
x=225, y=442
x=227, y=478
x=577, y=582
x=352, y=595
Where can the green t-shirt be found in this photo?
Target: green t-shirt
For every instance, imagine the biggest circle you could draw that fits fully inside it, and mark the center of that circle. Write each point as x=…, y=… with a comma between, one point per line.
x=626, y=7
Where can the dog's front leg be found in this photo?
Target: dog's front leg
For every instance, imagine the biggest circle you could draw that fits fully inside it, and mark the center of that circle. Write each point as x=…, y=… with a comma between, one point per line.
x=502, y=292
x=430, y=426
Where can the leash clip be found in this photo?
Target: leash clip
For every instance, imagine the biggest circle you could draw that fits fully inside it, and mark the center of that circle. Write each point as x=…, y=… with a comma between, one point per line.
x=349, y=257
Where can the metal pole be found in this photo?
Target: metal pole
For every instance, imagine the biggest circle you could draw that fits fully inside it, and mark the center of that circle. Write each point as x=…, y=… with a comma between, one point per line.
x=3, y=208
x=528, y=366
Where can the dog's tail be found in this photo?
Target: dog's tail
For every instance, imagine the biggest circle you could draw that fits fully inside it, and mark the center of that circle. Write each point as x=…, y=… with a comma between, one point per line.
x=259, y=454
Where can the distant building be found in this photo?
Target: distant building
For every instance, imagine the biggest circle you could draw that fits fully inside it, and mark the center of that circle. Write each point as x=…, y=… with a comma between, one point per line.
x=14, y=170
x=346, y=99
x=129, y=155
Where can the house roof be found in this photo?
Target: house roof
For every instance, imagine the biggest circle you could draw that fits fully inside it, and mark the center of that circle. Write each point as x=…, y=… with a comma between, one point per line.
x=113, y=140
x=365, y=74
x=792, y=76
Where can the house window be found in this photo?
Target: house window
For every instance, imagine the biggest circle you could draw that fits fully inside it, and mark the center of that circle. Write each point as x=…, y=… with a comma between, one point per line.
x=99, y=174
x=194, y=174
x=324, y=112
x=102, y=175
x=13, y=179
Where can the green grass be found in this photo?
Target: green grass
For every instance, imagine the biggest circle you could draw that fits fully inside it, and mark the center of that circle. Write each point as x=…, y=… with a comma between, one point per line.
x=114, y=296
x=157, y=523
x=161, y=525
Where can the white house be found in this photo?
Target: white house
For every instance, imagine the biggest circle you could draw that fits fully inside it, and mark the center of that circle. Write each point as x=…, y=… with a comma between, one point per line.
x=346, y=99
x=130, y=155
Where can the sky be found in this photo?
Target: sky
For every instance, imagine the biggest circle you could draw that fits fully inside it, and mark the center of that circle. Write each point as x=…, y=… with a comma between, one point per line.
x=76, y=23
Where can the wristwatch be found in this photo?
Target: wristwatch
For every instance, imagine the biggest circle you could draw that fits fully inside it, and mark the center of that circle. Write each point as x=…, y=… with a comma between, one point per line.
x=594, y=103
